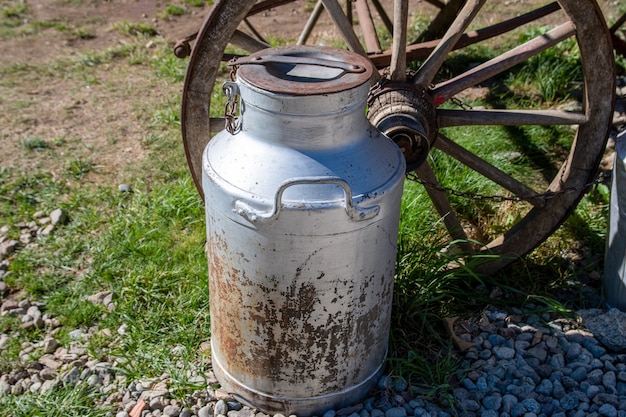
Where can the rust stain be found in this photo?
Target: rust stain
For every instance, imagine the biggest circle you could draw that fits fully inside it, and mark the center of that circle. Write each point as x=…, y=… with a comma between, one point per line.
x=297, y=330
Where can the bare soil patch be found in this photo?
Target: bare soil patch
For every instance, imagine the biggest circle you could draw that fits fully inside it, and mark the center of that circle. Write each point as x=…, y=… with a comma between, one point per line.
x=99, y=116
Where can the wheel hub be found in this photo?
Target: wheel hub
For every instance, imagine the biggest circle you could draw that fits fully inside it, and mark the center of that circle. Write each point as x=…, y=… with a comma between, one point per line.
x=406, y=114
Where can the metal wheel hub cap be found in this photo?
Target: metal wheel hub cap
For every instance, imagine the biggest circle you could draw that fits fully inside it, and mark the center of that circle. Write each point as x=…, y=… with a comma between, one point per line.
x=406, y=114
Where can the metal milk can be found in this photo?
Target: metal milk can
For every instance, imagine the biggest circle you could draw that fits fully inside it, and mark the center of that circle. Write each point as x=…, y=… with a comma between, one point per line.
x=302, y=210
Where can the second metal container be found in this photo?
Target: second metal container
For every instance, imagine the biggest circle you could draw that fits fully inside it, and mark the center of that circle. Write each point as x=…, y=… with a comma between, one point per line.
x=302, y=209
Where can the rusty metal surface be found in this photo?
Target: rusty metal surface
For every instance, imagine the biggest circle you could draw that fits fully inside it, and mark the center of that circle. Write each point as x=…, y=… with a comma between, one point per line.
x=295, y=323
x=328, y=70
x=303, y=208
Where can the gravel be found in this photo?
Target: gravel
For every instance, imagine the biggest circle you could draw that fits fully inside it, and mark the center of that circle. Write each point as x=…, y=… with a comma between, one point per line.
x=519, y=364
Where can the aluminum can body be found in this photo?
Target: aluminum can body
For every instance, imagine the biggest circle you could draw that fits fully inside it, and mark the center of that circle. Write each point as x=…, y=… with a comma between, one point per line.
x=302, y=214
x=614, y=285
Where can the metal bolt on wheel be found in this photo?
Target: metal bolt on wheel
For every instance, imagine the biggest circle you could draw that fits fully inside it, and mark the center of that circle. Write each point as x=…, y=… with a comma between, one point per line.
x=412, y=99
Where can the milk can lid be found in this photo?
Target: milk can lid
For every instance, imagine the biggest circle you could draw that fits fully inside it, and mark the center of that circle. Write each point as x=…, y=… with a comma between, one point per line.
x=303, y=70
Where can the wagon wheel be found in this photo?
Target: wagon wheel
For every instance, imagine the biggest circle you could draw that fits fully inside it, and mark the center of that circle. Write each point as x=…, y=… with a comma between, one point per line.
x=619, y=44
x=415, y=108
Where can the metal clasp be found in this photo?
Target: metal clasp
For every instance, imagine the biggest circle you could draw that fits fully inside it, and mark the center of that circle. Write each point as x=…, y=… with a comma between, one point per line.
x=233, y=120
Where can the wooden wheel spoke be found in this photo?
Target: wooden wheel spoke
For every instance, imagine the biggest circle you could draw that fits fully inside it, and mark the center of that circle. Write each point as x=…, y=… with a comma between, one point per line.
x=254, y=31
x=383, y=15
x=449, y=118
x=344, y=25
x=372, y=43
x=216, y=124
x=310, y=23
x=436, y=3
x=398, y=50
x=505, y=229
x=521, y=53
x=423, y=49
x=264, y=5
x=438, y=26
x=484, y=168
x=247, y=42
x=426, y=74
x=441, y=202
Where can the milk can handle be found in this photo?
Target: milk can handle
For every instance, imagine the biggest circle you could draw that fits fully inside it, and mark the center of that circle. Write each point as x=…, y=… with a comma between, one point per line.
x=297, y=60
x=355, y=213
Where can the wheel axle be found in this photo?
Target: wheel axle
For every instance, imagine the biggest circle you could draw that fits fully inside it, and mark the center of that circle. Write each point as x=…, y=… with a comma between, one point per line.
x=406, y=115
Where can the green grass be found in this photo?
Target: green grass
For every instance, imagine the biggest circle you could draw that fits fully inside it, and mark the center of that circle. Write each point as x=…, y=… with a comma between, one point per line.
x=34, y=143
x=16, y=20
x=147, y=246
x=14, y=9
x=67, y=401
x=136, y=29
x=173, y=10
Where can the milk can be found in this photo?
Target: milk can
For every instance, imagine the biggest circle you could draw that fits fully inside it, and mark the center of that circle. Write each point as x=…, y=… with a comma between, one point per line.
x=302, y=209
x=614, y=280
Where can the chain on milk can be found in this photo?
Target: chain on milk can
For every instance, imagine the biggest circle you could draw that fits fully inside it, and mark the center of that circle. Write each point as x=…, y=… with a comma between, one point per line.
x=302, y=200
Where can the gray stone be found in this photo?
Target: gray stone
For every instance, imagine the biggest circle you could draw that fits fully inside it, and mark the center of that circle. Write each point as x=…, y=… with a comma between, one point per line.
x=579, y=374
x=592, y=391
x=49, y=361
x=544, y=387
x=532, y=405
x=4, y=341
x=508, y=401
x=400, y=384
x=609, y=381
x=574, y=351
x=94, y=380
x=220, y=408
x=171, y=411
x=607, y=410
x=206, y=411
x=234, y=405
x=350, y=410
x=76, y=334
x=47, y=374
x=468, y=405
x=518, y=410
x=569, y=402
x=609, y=328
x=50, y=344
x=538, y=352
x=557, y=361
x=8, y=247
x=47, y=230
x=156, y=404
x=48, y=385
x=58, y=217
x=71, y=377
x=8, y=306
x=503, y=352
x=385, y=382
x=492, y=402
x=5, y=386
x=396, y=412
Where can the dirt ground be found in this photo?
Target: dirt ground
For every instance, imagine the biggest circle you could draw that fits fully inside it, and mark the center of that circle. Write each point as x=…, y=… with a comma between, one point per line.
x=99, y=116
